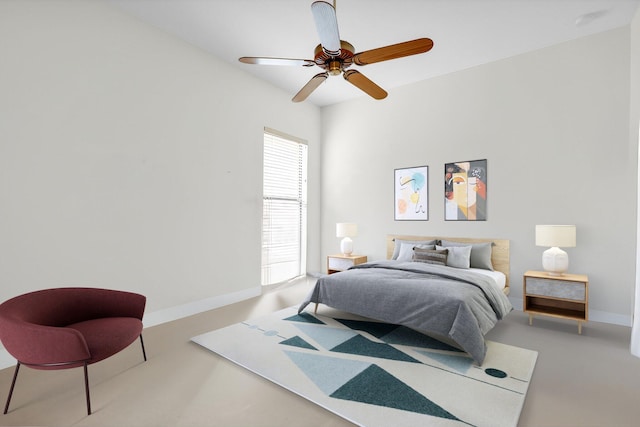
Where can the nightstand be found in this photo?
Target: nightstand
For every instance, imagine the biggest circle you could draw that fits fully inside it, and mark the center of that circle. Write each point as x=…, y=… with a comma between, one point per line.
x=336, y=263
x=565, y=296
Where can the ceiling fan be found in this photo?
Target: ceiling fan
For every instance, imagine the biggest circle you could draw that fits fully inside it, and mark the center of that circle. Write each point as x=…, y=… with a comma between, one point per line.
x=335, y=56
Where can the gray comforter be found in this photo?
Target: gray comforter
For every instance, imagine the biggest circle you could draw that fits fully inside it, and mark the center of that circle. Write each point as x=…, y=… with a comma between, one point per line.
x=445, y=301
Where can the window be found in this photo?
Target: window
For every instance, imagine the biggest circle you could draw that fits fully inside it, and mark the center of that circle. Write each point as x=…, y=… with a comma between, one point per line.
x=284, y=208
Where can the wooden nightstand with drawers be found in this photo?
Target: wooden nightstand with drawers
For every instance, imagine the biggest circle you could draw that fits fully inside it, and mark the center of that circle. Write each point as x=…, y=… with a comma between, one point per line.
x=565, y=296
x=336, y=263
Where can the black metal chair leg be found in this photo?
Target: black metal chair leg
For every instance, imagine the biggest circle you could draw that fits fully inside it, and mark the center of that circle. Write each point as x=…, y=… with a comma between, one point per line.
x=86, y=381
x=13, y=383
x=86, y=388
x=144, y=353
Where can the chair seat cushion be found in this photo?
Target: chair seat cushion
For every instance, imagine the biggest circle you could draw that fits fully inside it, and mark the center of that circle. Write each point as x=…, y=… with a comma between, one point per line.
x=106, y=337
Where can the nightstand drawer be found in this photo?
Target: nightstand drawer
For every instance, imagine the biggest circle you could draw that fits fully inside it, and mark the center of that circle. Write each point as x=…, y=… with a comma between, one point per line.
x=556, y=288
x=336, y=263
x=339, y=263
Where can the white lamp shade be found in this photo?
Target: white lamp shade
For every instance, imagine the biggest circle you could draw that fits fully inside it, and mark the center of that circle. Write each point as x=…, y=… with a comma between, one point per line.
x=561, y=236
x=555, y=261
x=346, y=229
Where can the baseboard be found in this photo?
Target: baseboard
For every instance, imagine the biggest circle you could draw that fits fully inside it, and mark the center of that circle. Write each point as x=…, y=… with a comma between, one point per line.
x=613, y=318
x=170, y=314
x=594, y=315
x=316, y=274
x=189, y=309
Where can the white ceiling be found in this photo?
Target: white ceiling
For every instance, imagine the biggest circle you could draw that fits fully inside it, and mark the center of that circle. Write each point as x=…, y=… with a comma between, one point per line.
x=465, y=33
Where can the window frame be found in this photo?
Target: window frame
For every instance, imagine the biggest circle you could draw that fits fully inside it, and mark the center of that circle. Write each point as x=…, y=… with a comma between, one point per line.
x=282, y=261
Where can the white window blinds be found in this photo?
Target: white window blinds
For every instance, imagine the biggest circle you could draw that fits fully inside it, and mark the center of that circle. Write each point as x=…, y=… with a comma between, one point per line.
x=284, y=208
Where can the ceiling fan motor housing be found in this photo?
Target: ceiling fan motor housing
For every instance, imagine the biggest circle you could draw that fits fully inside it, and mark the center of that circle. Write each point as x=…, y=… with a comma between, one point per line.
x=334, y=64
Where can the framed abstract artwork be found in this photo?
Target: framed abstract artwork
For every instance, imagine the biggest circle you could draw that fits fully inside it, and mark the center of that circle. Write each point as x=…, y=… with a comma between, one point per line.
x=465, y=191
x=411, y=195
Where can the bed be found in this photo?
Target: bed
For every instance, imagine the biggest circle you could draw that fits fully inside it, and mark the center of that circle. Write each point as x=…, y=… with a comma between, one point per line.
x=453, y=289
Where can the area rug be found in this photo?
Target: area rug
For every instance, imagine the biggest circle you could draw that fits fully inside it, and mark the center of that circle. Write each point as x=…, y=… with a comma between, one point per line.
x=376, y=374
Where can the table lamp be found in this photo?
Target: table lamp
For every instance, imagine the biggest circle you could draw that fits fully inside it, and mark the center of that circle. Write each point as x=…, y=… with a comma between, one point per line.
x=555, y=261
x=346, y=230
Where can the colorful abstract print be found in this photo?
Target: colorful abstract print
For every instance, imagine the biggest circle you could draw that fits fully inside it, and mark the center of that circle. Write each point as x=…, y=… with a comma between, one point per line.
x=465, y=191
x=411, y=194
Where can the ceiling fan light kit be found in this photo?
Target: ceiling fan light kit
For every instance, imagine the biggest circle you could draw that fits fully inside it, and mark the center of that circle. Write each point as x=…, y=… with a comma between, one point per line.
x=335, y=56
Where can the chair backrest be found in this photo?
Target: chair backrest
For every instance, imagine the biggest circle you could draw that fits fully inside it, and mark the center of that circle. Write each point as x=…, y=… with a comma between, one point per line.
x=64, y=306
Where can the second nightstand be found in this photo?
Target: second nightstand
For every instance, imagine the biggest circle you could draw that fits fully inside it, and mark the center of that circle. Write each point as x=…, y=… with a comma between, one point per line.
x=336, y=263
x=565, y=296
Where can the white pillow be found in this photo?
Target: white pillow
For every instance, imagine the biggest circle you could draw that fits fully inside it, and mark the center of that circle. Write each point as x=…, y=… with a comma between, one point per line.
x=458, y=257
x=398, y=245
x=406, y=250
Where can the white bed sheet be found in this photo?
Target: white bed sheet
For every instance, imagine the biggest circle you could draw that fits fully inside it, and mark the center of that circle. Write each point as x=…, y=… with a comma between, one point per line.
x=498, y=277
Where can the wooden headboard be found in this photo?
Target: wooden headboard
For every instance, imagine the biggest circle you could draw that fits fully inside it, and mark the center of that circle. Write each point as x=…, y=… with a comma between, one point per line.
x=499, y=253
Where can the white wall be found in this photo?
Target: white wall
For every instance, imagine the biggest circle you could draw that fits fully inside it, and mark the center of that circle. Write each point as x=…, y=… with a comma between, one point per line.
x=554, y=127
x=634, y=130
x=132, y=160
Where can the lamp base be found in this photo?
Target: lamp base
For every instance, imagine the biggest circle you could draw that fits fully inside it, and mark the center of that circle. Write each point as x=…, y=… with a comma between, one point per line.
x=346, y=246
x=555, y=261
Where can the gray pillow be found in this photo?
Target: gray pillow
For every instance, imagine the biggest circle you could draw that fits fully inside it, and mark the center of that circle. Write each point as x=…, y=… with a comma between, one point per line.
x=480, y=253
x=430, y=256
x=458, y=256
x=398, y=244
x=406, y=250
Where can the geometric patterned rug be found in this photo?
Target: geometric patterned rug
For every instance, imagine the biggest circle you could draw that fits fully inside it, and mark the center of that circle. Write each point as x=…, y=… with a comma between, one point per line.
x=376, y=374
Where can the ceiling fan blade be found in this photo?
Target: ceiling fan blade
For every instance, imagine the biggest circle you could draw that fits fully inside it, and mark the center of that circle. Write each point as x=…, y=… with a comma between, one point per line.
x=393, y=51
x=277, y=61
x=311, y=85
x=327, y=25
x=363, y=83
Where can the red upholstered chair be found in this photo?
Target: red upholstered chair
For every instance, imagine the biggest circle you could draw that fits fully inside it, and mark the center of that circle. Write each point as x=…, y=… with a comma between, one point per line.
x=69, y=327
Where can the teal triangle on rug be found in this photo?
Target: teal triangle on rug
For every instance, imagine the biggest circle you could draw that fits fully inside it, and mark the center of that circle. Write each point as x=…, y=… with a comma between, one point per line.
x=376, y=386
x=305, y=318
x=317, y=367
x=378, y=375
x=365, y=347
x=298, y=342
x=377, y=329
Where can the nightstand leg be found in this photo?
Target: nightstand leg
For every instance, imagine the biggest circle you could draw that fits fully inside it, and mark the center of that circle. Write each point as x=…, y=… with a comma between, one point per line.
x=579, y=328
x=530, y=319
